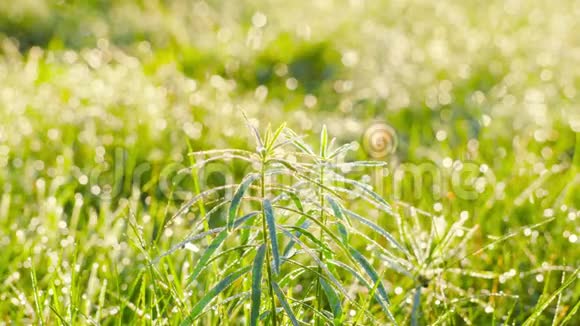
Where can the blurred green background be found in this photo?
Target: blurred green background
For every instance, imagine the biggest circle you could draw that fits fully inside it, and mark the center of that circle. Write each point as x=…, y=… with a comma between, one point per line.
x=491, y=83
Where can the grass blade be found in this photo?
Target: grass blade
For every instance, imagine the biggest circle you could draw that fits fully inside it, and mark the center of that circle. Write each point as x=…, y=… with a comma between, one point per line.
x=59, y=316
x=416, y=306
x=284, y=163
x=322, y=247
x=323, y=141
x=259, y=141
x=371, y=272
x=208, y=297
x=299, y=143
x=304, y=224
x=257, y=285
x=352, y=271
x=359, y=164
x=202, y=263
x=367, y=189
x=198, y=236
x=237, y=199
x=272, y=230
x=377, y=229
x=285, y=304
x=314, y=257
x=381, y=295
x=36, y=294
x=542, y=306
x=333, y=300
x=277, y=133
x=571, y=314
x=342, y=149
x=338, y=213
x=296, y=200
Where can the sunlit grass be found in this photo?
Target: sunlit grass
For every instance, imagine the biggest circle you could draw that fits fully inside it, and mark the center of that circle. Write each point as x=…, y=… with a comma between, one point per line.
x=103, y=104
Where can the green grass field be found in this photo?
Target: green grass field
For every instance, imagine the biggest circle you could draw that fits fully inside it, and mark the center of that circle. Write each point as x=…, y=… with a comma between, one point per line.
x=327, y=162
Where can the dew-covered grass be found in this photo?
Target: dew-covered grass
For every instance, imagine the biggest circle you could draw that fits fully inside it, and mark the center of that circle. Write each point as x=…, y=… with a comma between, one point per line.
x=137, y=136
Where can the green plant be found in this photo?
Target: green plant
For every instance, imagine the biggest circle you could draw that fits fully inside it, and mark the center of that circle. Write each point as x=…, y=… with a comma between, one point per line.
x=289, y=213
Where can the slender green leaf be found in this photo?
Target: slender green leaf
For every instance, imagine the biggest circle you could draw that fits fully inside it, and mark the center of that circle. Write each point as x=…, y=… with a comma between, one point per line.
x=299, y=143
x=324, y=248
x=304, y=224
x=381, y=295
x=511, y=312
x=239, y=298
x=314, y=257
x=272, y=230
x=241, y=251
x=371, y=272
x=226, y=156
x=209, y=296
x=371, y=294
x=257, y=285
x=342, y=149
x=501, y=239
x=330, y=146
x=338, y=213
x=268, y=136
x=323, y=141
x=368, y=190
x=543, y=305
x=198, y=236
x=325, y=229
x=285, y=163
x=357, y=164
x=36, y=295
x=242, y=220
x=314, y=181
x=416, y=306
x=285, y=304
x=447, y=317
x=237, y=199
x=289, y=277
x=296, y=200
x=202, y=262
x=376, y=228
x=335, y=208
x=59, y=316
x=351, y=271
x=255, y=132
x=277, y=133
x=218, y=151
x=333, y=300
x=311, y=309
x=196, y=198
x=246, y=232
x=571, y=314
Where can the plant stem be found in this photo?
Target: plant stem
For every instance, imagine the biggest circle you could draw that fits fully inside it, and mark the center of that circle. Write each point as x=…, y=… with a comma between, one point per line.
x=320, y=256
x=264, y=231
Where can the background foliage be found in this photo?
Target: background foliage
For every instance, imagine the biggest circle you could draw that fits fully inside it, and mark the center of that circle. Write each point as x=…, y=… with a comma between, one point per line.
x=101, y=102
